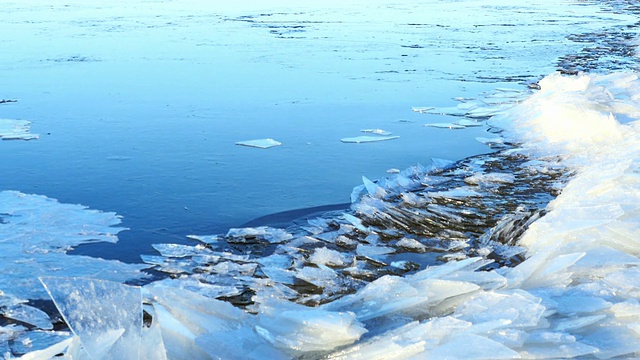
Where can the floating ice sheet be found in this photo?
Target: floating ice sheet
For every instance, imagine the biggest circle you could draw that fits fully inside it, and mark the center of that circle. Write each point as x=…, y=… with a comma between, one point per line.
x=16, y=130
x=260, y=143
x=367, y=139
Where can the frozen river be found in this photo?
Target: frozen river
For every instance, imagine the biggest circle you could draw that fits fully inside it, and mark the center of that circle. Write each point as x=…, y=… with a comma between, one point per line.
x=138, y=109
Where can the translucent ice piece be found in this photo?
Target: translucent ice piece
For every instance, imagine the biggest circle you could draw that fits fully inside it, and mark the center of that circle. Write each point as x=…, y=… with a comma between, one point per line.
x=53, y=344
x=457, y=193
x=373, y=189
x=330, y=257
x=272, y=235
x=105, y=315
x=260, y=143
x=374, y=251
x=469, y=346
x=298, y=329
x=178, y=250
x=30, y=315
x=367, y=139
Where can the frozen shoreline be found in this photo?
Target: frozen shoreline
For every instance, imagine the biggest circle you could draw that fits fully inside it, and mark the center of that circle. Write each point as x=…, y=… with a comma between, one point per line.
x=566, y=289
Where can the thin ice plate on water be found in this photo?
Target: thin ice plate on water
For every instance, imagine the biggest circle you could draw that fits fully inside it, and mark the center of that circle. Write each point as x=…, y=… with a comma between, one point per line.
x=366, y=139
x=260, y=143
x=16, y=130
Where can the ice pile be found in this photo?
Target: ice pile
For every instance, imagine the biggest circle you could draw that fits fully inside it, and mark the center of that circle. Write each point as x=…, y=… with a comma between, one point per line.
x=11, y=129
x=513, y=280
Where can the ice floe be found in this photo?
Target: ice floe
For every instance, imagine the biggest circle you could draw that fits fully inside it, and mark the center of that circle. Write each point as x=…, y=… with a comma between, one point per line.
x=260, y=143
x=367, y=139
x=16, y=130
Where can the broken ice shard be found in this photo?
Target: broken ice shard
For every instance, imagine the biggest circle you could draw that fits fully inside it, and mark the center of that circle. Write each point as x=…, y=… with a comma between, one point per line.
x=260, y=143
x=106, y=316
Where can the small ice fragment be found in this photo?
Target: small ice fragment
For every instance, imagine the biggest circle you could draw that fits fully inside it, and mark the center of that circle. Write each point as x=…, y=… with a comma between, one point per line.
x=393, y=171
x=272, y=235
x=421, y=109
x=457, y=193
x=373, y=251
x=367, y=139
x=442, y=164
x=373, y=189
x=260, y=143
x=490, y=141
x=412, y=244
x=377, y=132
x=30, y=315
x=329, y=257
x=470, y=346
x=445, y=126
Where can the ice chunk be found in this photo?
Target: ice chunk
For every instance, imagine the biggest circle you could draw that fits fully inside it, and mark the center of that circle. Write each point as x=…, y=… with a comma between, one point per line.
x=374, y=251
x=16, y=129
x=469, y=346
x=53, y=344
x=298, y=329
x=373, y=189
x=272, y=235
x=457, y=193
x=259, y=143
x=412, y=245
x=500, y=178
x=442, y=164
x=330, y=257
x=30, y=315
x=105, y=315
x=367, y=139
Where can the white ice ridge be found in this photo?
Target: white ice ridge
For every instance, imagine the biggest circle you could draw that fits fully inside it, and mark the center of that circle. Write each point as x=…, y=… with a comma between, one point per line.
x=11, y=129
x=575, y=296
